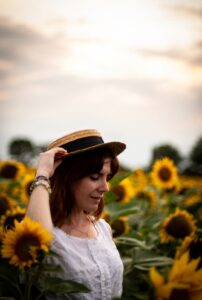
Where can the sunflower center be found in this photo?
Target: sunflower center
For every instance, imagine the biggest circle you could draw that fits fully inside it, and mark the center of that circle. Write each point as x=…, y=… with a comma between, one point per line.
x=9, y=171
x=119, y=192
x=23, y=245
x=4, y=205
x=142, y=195
x=180, y=294
x=165, y=174
x=178, y=227
x=118, y=227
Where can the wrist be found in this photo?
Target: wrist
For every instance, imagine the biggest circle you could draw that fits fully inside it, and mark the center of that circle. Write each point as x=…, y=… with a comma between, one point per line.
x=41, y=177
x=41, y=180
x=42, y=174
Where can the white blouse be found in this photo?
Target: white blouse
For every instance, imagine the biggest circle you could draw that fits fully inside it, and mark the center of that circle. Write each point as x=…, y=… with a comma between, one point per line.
x=94, y=262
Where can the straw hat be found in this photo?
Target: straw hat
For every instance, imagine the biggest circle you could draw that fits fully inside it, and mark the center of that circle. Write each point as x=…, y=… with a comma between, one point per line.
x=85, y=140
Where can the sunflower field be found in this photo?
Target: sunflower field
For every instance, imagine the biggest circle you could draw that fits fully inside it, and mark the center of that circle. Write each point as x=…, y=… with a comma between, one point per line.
x=156, y=220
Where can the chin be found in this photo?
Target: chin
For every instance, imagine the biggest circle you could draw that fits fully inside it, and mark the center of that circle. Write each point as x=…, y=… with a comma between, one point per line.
x=92, y=209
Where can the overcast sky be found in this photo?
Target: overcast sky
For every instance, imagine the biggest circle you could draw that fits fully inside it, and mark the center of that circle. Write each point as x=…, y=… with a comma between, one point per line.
x=131, y=69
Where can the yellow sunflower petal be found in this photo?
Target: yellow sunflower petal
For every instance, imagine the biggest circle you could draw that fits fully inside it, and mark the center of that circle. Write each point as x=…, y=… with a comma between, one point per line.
x=156, y=278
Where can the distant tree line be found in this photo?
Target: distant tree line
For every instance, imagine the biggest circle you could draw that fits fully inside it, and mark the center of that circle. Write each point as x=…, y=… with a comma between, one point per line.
x=26, y=151
x=189, y=165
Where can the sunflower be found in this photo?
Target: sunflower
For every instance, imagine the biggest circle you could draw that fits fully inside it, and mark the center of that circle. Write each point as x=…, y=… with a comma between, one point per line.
x=22, y=244
x=148, y=195
x=190, y=190
x=6, y=203
x=4, y=186
x=119, y=226
x=177, y=226
x=2, y=234
x=106, y=216
x=123, y=191
x=31, y=170
x=164, y=174
x=185, y=185
x=191, y=200
x=184, y=280
x=11, y=169
x=193, y=245
x=25, y=187
x=139, y=178
x=7, y=220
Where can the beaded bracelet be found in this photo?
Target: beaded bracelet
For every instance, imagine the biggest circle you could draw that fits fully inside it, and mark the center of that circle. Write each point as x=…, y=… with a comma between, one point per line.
x=41, y=180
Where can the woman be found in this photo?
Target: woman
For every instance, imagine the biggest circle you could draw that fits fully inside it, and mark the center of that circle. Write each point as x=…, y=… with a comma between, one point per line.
x=70, y=204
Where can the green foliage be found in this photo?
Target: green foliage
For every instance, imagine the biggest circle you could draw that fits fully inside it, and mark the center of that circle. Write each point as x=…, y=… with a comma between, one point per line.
x=56, y=285
x=140, y=247
x=35, y=282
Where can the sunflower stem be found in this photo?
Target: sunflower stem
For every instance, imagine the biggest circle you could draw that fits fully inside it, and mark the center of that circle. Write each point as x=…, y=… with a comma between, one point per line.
x=40, y=295
x=28, y=285
x=13, y=284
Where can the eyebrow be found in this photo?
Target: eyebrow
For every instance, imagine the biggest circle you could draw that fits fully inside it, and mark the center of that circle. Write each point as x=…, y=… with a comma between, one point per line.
x=108, y=174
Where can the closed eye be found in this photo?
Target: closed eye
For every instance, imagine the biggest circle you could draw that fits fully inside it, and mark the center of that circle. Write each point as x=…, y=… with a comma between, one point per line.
x=94, y=177
x=97, y=176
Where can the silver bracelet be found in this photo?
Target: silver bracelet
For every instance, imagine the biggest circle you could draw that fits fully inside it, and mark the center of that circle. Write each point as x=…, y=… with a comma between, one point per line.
x=41, y=180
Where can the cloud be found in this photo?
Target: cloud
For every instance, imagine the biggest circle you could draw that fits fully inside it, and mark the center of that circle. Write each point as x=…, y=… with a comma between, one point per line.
x=191, y=56
x=25, y=51
x=187, y=19
x=194, y=11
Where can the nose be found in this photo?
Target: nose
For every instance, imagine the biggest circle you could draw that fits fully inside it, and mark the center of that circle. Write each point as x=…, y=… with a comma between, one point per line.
x=103, y=187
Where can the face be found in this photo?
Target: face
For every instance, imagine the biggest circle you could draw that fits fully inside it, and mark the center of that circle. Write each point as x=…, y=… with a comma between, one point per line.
x=89, y=191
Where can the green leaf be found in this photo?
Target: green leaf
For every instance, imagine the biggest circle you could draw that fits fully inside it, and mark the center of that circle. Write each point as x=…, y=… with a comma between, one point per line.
x=123, y=212
x=147, y=263
x=121, y=209
x=59, y=286
x=8, y=270
x=128, y=265
x=119, y=177
x=51, y=268
x=132, y=242
x=110, y=197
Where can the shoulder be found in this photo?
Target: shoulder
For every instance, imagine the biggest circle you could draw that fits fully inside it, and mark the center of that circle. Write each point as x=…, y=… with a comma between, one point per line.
x=104, y=226
x=59, y=236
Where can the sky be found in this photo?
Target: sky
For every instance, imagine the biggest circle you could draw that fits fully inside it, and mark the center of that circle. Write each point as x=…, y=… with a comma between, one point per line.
x=131, y=69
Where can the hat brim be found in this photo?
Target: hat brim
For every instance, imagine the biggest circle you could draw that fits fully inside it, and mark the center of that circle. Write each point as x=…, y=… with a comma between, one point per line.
x=115, y=147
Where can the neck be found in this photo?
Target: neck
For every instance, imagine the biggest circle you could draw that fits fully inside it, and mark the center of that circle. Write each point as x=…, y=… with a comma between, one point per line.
x=78, y=218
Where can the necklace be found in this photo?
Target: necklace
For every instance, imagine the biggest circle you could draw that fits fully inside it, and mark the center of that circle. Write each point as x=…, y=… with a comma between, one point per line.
x=85, y=233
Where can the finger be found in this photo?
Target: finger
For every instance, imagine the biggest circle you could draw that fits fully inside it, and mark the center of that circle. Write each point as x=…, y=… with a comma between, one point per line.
x=57, y=163
x=58, y=149
x=60, y=154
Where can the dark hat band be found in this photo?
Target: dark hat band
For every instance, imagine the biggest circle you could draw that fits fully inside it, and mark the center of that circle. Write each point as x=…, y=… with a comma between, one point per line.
x=83, y=143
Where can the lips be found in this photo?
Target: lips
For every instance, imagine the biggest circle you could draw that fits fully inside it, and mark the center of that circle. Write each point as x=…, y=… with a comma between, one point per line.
x=96, y=199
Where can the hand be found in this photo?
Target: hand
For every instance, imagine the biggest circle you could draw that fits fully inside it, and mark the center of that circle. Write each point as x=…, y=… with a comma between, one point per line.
x=49, y=160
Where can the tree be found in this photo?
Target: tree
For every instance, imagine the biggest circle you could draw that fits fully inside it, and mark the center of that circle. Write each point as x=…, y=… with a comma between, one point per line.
x=196, y=152
x=21, y=150
x=24, y=150
x=194, y=167
x=165, y=150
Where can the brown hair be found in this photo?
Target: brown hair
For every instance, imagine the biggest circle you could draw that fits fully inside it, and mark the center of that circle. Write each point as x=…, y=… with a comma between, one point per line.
x=71, y=170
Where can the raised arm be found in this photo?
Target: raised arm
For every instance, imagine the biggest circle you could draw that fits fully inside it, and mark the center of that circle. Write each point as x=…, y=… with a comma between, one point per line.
x=38, y=208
